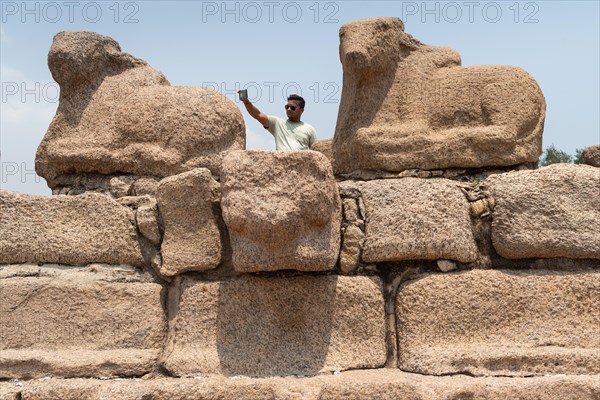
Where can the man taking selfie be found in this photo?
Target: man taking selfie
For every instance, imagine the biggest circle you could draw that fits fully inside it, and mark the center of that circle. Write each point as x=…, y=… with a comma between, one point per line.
x=291, y=134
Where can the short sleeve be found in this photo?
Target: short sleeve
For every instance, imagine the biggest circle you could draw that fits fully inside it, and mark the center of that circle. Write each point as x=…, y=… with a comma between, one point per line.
x=272, y=123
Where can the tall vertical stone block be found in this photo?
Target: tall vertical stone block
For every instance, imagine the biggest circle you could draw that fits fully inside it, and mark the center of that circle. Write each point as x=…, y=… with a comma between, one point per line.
x=192, y=240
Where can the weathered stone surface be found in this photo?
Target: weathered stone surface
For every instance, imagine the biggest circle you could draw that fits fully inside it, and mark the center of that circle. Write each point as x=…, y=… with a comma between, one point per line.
x=325, y=147
x=547, y=213
x=353, y=236
x=412, y=219
x=351, y=246
x=146, y=217
x=393, y=385
x=490, y=322
x=257, y=326
x=117, y=114
x=120, y=186
x=9, y=391
x=192, y=240
x=591, y=155
x=67, y=229
x=79, y=325
x=145, y=186
x=409, y=105
x=89, y=273
x=351, y=210
x=136, y=202
x=446, y=265
x=349, y=189
x=365, y=385
x=478, y=207
x=282, y=209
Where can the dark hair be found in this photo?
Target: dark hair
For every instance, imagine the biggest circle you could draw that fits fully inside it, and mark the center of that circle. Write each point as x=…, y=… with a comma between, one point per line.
x=299, y=98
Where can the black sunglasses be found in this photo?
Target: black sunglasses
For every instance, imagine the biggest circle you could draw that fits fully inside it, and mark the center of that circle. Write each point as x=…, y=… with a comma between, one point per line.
x=293, y=108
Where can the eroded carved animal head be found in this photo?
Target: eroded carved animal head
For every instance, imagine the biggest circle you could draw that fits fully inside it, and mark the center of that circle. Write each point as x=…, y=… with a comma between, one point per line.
x=84, y=55
x=374, y=43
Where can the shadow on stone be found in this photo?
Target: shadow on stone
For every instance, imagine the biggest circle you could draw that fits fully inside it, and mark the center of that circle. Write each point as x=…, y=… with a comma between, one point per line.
x=269, y=327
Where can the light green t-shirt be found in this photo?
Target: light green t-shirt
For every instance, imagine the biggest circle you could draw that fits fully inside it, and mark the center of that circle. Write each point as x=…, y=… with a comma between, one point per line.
x=291, y=136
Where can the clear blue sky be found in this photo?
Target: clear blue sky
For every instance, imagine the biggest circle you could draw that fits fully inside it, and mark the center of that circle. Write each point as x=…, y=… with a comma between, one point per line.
x=279, y=47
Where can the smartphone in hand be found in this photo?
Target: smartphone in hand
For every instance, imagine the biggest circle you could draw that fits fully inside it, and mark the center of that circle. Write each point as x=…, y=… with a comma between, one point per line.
x=243, y=94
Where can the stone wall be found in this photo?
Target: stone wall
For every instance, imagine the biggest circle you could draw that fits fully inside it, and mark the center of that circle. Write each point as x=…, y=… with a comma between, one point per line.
x=478, y=284
x=437, y=263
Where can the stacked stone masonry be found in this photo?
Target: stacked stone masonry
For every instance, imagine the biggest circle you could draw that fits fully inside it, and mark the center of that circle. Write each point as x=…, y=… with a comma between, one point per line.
x=418, y=255
x=353, y=385
x=119, y=317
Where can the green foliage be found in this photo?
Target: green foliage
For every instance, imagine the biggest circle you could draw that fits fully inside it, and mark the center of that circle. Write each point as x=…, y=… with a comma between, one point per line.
x=552, y=155
x=578, y=156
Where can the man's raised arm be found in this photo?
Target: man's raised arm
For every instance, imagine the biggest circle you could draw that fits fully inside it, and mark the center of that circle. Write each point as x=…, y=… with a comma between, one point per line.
x=256, y=114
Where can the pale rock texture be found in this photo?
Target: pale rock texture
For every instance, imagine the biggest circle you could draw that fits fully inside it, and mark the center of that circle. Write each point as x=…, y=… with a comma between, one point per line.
x=500, y=323
x=591, y=155
x=282, y=209
x=478, y=207
x=351, y=245
x=385, y=384
x=392, y=384
x=547, y=213
x=349, y=189
x=93, y=272
x=353, y=236
x=117, y=114
x=256, y=326
x=136, y=202
x=120, y=186
x=146, y=218
x=79, y=324
x=9, y=391
x=145, y=186
x=446, y=266
x=192, y=240
x=325, y=147
x=416, y=219
x=407, y=105
x=352, y=211
x=67, y=229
